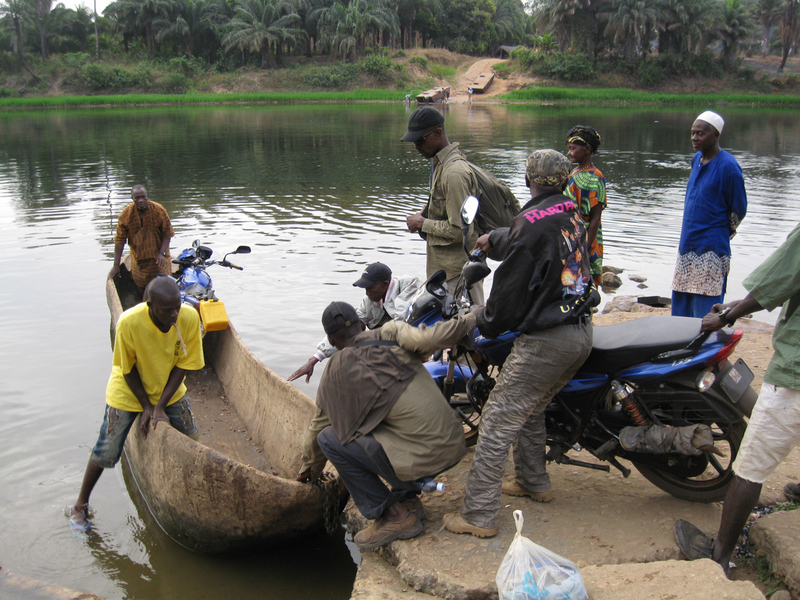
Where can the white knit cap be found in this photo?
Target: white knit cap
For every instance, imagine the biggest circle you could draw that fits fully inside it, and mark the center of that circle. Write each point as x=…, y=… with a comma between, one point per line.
x=712, y=119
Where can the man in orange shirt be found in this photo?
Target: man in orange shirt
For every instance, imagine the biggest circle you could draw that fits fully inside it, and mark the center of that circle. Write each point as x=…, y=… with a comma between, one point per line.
x=146, y=227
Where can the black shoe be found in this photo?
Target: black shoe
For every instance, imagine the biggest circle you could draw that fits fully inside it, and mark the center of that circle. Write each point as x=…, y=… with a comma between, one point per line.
x=792, y=492
x=693, y=543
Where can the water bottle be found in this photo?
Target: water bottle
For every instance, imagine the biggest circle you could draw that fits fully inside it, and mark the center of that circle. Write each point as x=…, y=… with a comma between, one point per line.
x=428, y=485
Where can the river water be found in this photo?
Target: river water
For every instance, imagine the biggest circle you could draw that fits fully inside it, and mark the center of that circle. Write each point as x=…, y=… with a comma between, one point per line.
x=318, y=191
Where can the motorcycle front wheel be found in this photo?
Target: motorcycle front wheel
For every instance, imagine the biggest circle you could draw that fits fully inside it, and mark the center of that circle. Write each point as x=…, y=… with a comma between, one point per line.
x=698, y=479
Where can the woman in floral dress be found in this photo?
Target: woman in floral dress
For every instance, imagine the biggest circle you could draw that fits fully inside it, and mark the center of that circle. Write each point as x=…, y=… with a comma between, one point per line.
x=587, y=187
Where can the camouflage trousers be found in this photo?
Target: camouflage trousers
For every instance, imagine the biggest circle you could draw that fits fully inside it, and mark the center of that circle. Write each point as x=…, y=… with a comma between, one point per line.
x=540, y=364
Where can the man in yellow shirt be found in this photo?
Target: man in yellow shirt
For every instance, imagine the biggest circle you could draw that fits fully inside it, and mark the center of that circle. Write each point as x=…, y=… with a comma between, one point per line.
x=156, y=342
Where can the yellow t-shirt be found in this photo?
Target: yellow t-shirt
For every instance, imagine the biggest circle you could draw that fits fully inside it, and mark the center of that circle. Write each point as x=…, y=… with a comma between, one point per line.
x=154, y=353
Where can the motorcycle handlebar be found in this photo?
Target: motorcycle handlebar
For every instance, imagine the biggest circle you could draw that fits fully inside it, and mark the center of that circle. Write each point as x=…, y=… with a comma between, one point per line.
x=230, y=265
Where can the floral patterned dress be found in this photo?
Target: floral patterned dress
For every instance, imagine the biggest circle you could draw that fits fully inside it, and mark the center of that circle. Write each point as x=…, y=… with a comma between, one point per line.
x=587, y=187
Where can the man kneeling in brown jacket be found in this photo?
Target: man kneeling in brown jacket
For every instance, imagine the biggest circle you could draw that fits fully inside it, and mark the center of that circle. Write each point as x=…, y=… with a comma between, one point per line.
x=380, y=415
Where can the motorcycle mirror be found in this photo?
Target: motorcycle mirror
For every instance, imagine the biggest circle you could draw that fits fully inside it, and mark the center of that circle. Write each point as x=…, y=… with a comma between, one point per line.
x=242, y=250
x=474, y=272
x=436, y=284
x=196, y=244
x=469, y=210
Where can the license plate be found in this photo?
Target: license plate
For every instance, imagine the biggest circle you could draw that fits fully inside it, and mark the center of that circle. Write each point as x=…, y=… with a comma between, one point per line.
x=737, y=380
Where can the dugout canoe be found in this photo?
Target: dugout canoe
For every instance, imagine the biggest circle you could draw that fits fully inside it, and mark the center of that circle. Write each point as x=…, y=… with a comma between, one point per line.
x=233, y=491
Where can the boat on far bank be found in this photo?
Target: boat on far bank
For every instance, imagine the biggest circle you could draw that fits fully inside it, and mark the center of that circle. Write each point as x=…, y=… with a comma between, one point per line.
x=482, y=82
x=437, y=94
x=234, y=490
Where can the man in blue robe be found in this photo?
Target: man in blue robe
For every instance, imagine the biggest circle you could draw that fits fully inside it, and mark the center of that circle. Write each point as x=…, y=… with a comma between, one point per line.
x=715, y=204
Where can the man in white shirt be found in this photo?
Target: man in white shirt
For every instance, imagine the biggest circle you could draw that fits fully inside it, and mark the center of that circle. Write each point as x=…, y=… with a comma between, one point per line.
x=386, y=299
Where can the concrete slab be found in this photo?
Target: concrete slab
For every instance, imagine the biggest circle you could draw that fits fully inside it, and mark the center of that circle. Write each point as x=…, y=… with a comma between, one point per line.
x=669, y=580
x=776, y=537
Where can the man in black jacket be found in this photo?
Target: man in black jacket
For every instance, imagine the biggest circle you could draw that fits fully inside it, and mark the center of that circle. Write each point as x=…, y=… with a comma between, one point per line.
x=544, y=290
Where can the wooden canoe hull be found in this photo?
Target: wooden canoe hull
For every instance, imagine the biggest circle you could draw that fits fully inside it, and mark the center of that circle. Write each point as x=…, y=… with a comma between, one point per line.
x=209, y=502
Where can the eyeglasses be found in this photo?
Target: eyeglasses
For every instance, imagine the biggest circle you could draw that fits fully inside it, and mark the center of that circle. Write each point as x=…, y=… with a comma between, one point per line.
x=422, y=139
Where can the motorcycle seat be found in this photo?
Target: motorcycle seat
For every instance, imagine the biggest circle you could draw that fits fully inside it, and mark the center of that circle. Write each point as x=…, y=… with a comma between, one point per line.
x=618, y=346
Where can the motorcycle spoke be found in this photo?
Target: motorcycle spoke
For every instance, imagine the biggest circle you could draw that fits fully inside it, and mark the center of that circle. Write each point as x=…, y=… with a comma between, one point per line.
x=713, y=460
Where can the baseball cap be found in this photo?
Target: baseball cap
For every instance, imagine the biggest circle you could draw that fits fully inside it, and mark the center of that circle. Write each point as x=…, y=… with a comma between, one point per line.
x=375, y=272
x=547, y=167
x=421, y=120
x=338, y=309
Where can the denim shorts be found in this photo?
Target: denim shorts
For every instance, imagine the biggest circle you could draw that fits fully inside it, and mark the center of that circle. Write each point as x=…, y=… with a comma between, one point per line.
x=117, y=423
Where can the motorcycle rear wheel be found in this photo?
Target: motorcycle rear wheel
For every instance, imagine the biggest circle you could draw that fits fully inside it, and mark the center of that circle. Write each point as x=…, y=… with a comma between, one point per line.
x=712, y=483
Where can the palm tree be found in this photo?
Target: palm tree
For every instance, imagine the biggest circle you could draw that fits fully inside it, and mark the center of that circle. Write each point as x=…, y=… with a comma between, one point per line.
x=509, y=21
x=347, y=27
x=735, y=27
x=789, y=27
x=70, y=29
x=188, y=20
x=41, y=9
x=633, y=24
x=575, y=22
x=139, y=16
x=17, y=11
x=768, y=15
x=263, y=26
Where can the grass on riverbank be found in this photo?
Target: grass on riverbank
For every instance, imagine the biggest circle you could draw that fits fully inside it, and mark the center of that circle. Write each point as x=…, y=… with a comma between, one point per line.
x=529, y=95
x=628, y=96
x=196, y=98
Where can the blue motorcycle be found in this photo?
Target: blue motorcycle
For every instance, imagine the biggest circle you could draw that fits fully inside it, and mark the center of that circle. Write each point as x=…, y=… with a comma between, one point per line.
x=193, y=281
x=654, y=391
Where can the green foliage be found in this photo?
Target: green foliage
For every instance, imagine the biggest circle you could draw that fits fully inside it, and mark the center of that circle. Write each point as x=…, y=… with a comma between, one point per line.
x=420, y=60
x=75, y=60
x=628, y=96
x=195, y=98
x=399, y=54
x=187, y=66
x=6, y=93
x=442, y=71
x=649, y=73
x=176, y=83
x=103, y=77
x=338, y=75
x=523, y=56
x=377, y=65
x=559, y=65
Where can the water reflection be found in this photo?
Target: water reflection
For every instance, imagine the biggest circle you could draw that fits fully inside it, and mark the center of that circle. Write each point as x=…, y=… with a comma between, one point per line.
x=317, y=192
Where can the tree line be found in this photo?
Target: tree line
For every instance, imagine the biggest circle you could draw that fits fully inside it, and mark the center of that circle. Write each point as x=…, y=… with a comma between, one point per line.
x=232, y=33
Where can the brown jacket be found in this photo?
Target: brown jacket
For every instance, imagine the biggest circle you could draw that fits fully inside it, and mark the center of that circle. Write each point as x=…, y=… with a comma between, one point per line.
x=419, y=432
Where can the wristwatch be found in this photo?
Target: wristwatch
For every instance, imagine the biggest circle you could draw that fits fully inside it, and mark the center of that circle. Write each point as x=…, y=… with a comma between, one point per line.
x=164, y=254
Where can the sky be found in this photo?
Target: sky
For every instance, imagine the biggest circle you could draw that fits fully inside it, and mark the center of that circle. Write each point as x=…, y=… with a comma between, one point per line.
x=101, y=4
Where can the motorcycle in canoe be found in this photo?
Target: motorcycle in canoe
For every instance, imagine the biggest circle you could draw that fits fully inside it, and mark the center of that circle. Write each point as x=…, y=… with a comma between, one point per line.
x=234, y=490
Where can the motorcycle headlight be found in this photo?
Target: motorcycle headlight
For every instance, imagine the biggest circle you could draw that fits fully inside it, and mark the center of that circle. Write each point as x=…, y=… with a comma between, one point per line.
x=705, y=380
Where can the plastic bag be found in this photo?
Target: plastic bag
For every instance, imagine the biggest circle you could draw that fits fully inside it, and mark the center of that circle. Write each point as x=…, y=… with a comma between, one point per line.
x=530, y=572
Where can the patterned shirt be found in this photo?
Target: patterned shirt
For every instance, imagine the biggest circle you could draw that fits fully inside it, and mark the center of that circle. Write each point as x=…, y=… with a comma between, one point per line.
x=144, y=232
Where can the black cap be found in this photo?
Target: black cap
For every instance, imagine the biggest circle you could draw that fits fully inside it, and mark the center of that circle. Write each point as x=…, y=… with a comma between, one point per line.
x=373, y=273
x=338, y=309
x=420, y=121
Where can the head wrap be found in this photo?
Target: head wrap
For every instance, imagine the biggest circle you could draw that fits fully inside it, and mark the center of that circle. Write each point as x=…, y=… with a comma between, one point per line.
x=712, y=119
x=548, y=168
x=585, y=136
